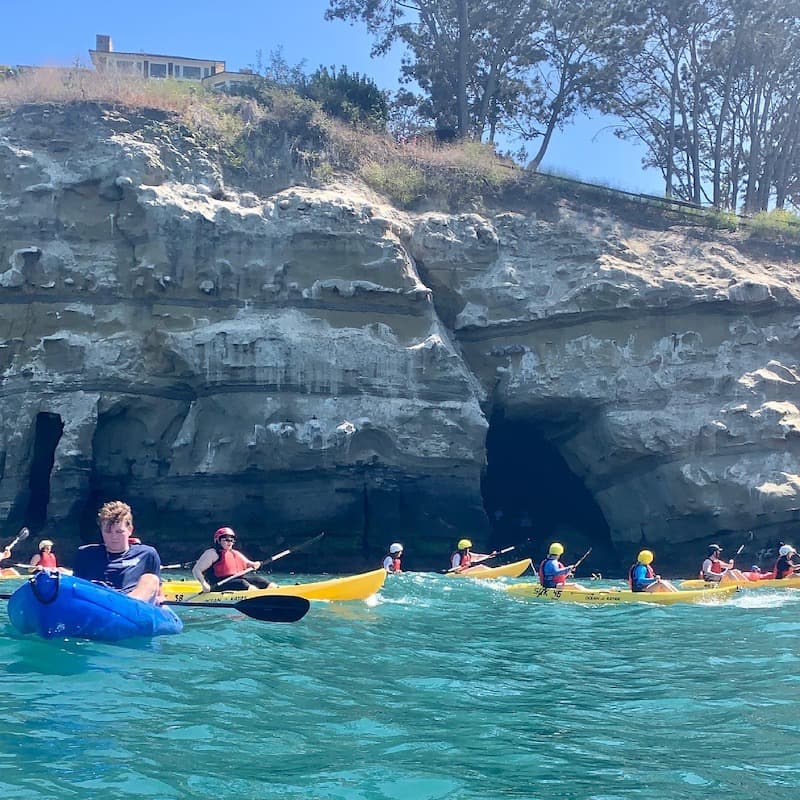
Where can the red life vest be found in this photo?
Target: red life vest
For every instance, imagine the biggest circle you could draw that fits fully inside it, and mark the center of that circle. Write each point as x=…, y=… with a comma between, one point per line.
x=231, y=562
x=557, y=580
x=396, y=565
x=716, y=567
x=649, y=574
x=47, y=560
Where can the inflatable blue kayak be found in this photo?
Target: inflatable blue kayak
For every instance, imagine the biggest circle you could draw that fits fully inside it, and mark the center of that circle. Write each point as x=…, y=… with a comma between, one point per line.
x=56, y=606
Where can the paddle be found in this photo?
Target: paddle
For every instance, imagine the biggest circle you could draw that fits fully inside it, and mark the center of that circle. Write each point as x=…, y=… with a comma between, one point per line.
x=267, y=608
x=485, y=558
x=21, y=537
x=274, y=608
x=295, y=549
x=580, y=561
x=266, y=561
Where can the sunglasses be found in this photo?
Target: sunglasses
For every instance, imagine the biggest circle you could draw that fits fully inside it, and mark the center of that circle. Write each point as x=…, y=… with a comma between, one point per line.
x=227, y=539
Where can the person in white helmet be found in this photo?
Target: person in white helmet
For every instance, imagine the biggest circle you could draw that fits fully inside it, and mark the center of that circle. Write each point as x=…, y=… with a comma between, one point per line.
x=392, y=561
x=786, y=566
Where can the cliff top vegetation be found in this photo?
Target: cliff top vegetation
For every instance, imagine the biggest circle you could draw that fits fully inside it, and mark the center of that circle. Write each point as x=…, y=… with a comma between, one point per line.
x=414, y=172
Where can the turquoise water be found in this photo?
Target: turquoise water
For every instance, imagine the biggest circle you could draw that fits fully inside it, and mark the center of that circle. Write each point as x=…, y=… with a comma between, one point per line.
x=441, y=688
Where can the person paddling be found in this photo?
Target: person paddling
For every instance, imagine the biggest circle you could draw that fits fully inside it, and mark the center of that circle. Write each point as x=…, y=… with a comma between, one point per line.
x=642, y=576
x=217, y=564
x=392, y=561
x=45, y=558
x=464, y=558
x=715, y=570
x=785, y=566
x=552, y=573
x=134, y=569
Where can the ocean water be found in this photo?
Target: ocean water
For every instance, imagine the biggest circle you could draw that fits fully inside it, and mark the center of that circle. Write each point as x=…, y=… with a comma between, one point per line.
x=436, y=688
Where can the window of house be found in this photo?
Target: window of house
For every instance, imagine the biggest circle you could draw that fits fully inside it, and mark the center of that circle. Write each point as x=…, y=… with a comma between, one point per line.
x=124, y=66
x=158, y=70
x=195, y=73
x=208, y=71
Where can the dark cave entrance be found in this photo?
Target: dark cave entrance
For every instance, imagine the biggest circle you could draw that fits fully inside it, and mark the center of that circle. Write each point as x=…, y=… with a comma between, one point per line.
x=49, y=428
x=529, y=491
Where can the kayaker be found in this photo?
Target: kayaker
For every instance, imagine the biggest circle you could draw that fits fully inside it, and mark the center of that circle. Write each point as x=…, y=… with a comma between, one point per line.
x=134, y=569
x=464, y=558
x=45, y=558
x=713, y=569
x=785, y=566
x=552, y=573
x=392, y=561
x=642, y=576
x=221, y=561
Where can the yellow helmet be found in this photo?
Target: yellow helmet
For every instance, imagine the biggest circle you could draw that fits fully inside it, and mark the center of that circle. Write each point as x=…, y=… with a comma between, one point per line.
x=45, y=543
x=463, y=544
x=556, y=549
x=645, y=557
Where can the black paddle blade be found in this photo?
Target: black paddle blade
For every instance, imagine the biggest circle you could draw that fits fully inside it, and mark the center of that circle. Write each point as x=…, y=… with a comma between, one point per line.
x=278, y=608
x=267, y=608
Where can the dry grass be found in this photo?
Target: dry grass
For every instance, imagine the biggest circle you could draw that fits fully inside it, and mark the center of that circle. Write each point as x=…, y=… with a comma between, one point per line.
x=199, y=109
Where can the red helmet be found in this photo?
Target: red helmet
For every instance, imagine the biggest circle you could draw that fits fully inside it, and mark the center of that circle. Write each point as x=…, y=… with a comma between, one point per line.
x=220, y=532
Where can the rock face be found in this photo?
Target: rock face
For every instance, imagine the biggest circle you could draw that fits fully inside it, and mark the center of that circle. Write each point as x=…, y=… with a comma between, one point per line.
x=314, y=359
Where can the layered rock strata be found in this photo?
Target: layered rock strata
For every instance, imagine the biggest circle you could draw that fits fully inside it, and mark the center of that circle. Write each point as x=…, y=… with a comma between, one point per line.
x=315, y=359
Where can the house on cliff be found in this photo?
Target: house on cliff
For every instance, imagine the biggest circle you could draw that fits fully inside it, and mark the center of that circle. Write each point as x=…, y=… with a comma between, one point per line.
x=211, y=73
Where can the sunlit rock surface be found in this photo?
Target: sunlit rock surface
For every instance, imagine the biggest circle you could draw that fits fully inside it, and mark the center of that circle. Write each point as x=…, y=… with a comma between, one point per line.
x=313, y=359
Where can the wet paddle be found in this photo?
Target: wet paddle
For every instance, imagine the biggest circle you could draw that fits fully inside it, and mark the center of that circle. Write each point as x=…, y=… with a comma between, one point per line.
x=21, y=537
x=267, y=608
x=272, y=608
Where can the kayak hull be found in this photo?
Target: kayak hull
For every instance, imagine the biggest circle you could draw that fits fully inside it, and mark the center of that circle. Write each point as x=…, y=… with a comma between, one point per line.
x=481, y=572
x=618, y=596
x=352, y=587
x=766, y=583
x=56, y=606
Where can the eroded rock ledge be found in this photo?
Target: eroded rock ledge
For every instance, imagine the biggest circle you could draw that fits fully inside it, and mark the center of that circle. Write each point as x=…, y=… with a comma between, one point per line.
x=318, y=360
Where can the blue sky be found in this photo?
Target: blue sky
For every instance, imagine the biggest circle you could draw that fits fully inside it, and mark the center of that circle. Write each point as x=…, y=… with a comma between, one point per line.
x=59, y=32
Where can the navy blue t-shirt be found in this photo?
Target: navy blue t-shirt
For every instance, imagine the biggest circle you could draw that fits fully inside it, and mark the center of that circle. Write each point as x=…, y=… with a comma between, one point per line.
x=119, y=570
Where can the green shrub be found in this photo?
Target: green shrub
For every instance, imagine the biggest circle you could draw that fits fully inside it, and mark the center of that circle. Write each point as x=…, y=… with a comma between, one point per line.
x=400, y=182
x=778, y=222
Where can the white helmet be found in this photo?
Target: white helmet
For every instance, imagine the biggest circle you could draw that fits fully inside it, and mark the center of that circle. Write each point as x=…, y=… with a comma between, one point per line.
x=395, y=547
x=786, y=550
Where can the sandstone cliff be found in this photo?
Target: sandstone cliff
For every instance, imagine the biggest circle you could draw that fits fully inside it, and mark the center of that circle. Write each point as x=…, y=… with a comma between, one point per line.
x=289, y=360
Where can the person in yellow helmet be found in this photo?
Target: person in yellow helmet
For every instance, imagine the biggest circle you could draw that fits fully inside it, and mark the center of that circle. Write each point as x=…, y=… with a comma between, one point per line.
x=552, y=573
x=642, y=577
x=464, y=558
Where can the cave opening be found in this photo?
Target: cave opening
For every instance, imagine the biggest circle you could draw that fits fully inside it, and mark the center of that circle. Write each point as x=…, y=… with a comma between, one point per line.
x=48, y=431
x=530, y=492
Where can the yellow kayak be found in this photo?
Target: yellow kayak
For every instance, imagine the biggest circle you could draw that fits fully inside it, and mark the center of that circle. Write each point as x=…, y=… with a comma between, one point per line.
x=513, y=570
x=354, y=587
x=766, y=583
x=9, y=572
x=610, y=596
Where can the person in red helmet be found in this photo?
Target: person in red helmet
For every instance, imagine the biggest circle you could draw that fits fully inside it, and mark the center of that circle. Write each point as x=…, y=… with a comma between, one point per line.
x=216, y=565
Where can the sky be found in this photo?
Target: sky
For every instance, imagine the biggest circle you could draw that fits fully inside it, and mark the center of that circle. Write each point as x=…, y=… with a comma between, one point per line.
x=59, y=32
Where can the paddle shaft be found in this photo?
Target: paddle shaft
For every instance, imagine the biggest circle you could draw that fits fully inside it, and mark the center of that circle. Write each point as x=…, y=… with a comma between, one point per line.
x=295, y=549
x=21, y=536
x=580, y=560
x=276, y=608
x=481, y=560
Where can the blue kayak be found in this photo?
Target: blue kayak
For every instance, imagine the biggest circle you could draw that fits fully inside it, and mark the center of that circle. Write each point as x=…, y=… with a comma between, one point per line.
x=57, y=606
